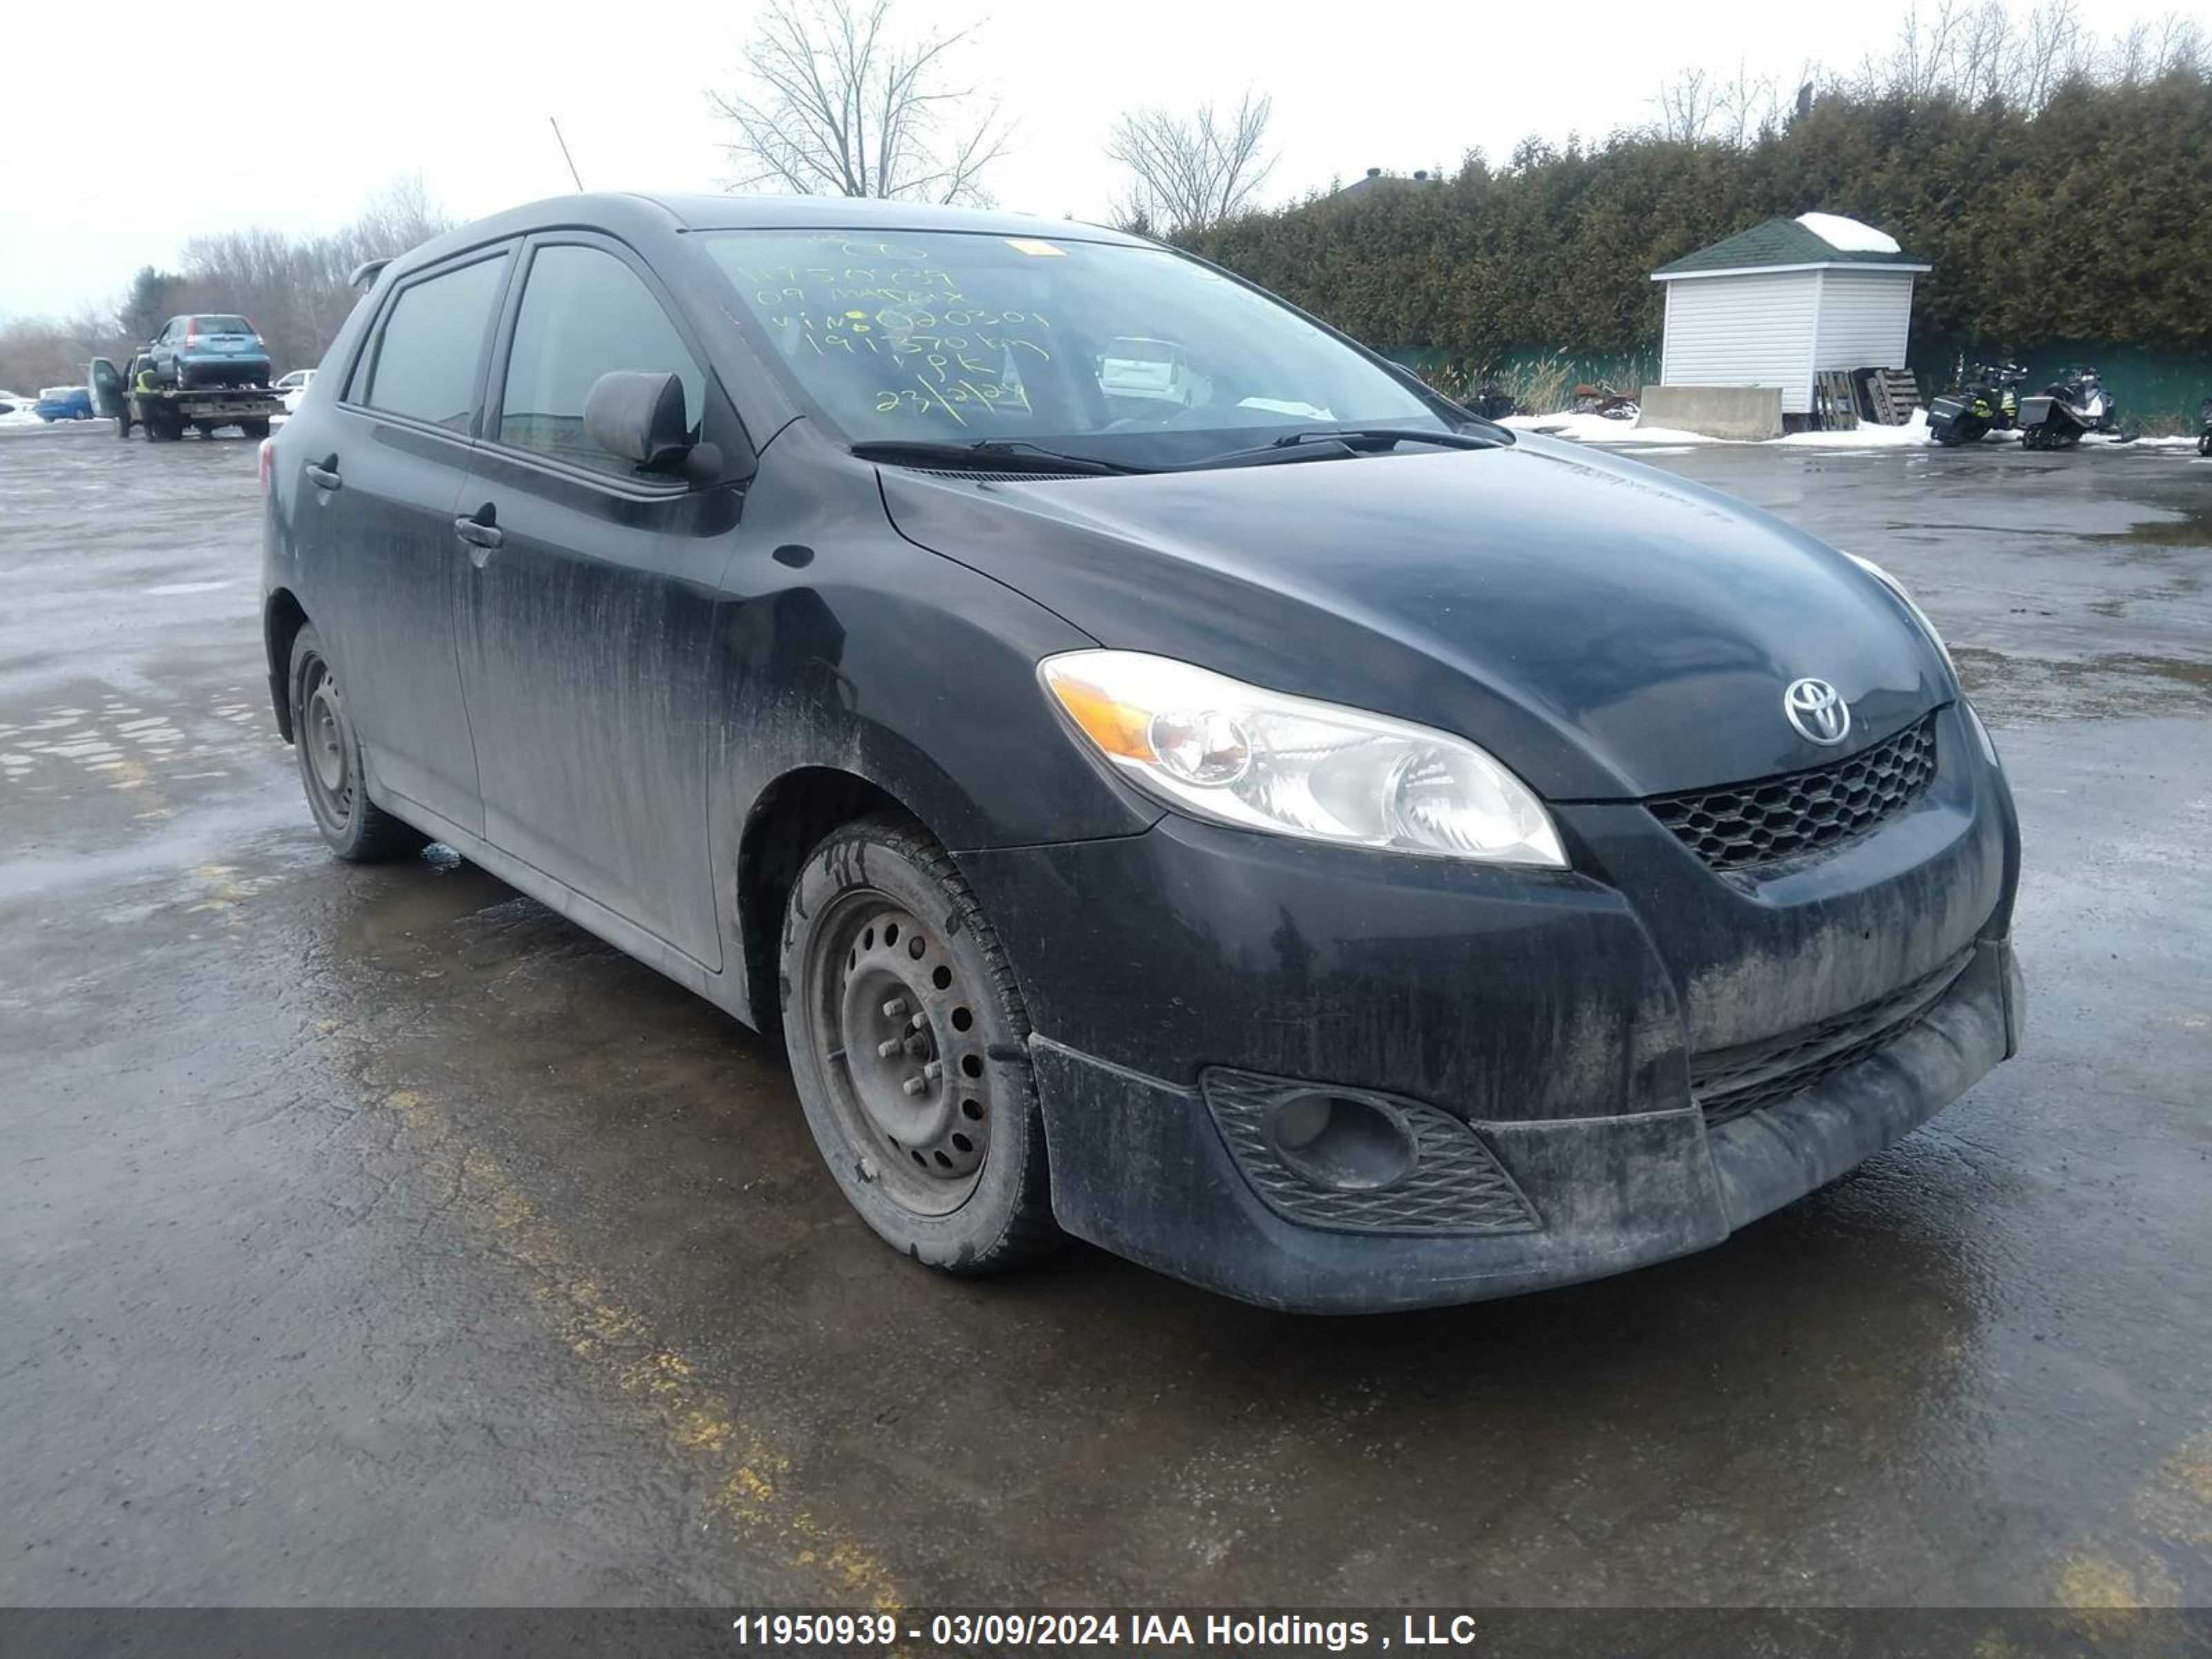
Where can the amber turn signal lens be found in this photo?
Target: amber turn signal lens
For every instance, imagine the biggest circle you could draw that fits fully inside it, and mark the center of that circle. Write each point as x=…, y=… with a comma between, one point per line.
x=1116, y=728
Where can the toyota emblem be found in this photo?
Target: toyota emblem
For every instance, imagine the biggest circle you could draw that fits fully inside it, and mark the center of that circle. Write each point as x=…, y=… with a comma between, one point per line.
x=1819, y=712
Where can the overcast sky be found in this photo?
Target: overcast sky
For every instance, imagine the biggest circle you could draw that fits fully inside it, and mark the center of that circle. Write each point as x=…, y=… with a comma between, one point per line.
x=311, y=107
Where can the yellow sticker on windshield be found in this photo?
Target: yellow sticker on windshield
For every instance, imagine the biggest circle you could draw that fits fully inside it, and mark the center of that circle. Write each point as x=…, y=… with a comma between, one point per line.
x=1027, y=244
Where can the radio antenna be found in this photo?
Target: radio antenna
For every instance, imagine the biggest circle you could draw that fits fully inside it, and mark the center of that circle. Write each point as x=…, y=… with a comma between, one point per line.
x=565, y=156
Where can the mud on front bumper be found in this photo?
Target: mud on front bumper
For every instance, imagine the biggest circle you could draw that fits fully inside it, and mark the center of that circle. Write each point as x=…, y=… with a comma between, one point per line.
x=1594, y=1082
x=1141, y=1167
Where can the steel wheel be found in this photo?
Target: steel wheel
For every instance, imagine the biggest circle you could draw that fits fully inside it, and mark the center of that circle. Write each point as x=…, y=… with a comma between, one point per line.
x=326, y=756
x=902, y=1055
x=909, y=1050
x=330, y=765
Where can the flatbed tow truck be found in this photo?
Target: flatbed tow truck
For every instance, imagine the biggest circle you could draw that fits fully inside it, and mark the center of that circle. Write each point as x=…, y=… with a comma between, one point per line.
x=165, y=413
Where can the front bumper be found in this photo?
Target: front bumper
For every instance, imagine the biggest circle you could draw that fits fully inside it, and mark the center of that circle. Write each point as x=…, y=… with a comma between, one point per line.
x=1594, y=1051
x=1140, y=1168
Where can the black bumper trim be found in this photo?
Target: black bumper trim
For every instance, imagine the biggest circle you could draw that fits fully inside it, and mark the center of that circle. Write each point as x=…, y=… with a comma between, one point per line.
x=1139, y=1168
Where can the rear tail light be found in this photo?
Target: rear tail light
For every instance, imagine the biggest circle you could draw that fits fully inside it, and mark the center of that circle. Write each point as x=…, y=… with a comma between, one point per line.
x=268, y=460
x=191, y=333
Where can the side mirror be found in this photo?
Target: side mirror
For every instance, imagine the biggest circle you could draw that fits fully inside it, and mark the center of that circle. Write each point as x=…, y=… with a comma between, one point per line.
x=638, y=416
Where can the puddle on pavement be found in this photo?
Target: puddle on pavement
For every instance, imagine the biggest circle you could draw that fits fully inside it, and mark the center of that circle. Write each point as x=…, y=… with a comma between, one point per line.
x=2188, y=527
x=2098, y=688
x=442, y=889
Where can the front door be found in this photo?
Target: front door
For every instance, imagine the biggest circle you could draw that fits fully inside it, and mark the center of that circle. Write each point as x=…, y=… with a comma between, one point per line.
x=381, y=564
x=587, y=636
x=105, y=381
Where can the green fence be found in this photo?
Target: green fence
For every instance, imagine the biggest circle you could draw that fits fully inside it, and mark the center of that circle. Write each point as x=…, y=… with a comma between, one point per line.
x=2160, y=390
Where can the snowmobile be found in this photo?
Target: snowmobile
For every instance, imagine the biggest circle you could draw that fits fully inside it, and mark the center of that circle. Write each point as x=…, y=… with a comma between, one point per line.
x=2068, y=409
x=1984, y=398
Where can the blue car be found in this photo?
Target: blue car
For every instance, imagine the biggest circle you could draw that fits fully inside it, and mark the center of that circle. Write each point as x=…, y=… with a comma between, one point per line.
x=219, y=350
x=62, y=402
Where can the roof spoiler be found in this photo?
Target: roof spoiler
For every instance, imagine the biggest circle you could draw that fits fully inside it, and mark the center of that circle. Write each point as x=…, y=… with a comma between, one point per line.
x=366, y=269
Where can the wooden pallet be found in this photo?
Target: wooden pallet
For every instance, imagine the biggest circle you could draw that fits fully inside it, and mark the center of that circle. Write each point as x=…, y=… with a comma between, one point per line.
x=1835, y=406
x=1896, y=394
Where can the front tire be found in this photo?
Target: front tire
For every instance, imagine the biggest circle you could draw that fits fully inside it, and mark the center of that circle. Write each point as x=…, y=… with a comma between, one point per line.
x=329, y=751
x=909, y=1046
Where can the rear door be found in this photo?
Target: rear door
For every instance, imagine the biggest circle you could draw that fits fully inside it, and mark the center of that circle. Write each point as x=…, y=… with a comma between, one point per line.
x=382, y=564
x=588, y=634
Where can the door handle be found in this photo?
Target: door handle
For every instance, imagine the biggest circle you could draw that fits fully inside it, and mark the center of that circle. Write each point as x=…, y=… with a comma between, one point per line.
x=480, y=528
x=324, y=474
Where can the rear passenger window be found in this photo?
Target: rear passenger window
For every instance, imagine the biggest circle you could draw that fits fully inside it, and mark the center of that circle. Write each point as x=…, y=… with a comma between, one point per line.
x=426, y=366
x=585, y=313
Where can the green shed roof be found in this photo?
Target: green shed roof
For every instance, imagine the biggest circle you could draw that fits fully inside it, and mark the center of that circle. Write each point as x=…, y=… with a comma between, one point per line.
x=1781, y=242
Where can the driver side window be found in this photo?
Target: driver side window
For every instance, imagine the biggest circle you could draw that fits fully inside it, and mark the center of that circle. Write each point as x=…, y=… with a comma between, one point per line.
x=585, y=313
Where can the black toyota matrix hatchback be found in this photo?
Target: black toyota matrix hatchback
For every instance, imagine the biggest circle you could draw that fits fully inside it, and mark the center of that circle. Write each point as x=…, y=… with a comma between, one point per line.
x=1168, y=777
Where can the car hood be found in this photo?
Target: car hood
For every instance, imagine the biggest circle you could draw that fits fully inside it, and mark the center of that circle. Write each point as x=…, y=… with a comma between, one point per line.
x=1607, y=630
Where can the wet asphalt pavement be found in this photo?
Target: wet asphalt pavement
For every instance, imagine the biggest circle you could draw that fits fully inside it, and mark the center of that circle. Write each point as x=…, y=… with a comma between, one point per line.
x=376, y=1236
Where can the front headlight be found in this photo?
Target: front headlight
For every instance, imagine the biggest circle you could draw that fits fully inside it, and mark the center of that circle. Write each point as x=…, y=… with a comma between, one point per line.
x=1217, y=749
x=1911, y=603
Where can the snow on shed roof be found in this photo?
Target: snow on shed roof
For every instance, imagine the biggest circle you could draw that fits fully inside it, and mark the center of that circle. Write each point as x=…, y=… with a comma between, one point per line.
x=1809, y=239
x=1848, y=234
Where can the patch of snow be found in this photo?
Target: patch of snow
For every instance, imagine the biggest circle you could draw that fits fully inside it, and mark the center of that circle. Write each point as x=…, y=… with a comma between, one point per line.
x=1866, y=435
x=1913, y=434
x=1848, y=234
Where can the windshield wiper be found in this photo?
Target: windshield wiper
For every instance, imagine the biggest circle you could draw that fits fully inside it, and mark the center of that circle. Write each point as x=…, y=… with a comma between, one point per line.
x=1007, y=454
x=1383, y=437
x=1350, y=441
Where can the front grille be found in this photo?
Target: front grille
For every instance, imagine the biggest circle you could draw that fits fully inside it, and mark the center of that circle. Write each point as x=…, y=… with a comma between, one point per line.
x=1744, y=825
x=1728, y=1083
x=1456, y=1186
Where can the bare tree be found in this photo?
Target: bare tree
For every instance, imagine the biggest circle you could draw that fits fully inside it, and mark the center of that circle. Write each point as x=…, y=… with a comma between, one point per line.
x=1189, y=172
x=1988, y=54
x=1687, y=107
x=403, y=214
x=1748, y=106
x=2050, y=53
x=2181, y=45
x=838, y=106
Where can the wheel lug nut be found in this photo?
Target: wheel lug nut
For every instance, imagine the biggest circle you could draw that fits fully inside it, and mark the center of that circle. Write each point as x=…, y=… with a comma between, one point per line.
x=918, y=1022
x=914, y=1085
x=888, y=1047
x=894, y=1008
x=934, y=1070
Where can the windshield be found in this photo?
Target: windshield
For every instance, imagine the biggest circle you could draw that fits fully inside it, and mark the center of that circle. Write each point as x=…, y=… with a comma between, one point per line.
x=1125, y=354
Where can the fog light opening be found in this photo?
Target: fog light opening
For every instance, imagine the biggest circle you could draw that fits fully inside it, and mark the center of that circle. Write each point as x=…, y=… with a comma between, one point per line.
x=1342, y=1143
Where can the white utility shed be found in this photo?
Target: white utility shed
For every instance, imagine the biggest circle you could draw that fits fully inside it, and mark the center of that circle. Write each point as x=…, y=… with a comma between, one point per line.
x=1774, y=304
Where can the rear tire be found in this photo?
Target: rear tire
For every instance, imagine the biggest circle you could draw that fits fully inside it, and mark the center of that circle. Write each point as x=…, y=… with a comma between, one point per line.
x=329, y=751
x=255, y=429
x=938, y=1143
